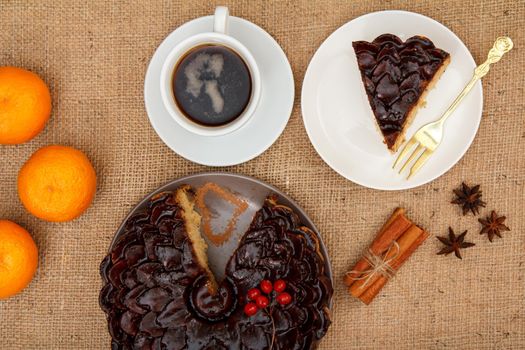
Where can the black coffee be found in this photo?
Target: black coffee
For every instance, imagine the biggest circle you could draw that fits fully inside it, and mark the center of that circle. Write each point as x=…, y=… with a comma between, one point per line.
x=212, y=85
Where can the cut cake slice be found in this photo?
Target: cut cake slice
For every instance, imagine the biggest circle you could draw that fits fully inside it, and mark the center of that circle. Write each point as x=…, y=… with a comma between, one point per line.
x=397, y=76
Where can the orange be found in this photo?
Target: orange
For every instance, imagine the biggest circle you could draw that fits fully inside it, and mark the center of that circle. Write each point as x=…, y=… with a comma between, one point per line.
x=57, y=183
x=25, y=105
x=18, y=258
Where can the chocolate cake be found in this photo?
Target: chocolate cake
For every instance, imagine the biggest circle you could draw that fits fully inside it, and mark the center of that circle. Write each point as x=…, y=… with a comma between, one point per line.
x=397, y=76
x=159, y=292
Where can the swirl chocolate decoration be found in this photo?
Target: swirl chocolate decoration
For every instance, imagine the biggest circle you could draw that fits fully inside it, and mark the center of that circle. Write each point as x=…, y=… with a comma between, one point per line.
x=157, y=295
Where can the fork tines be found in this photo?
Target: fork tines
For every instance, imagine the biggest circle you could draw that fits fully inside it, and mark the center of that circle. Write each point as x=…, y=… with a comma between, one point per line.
x=420, y=154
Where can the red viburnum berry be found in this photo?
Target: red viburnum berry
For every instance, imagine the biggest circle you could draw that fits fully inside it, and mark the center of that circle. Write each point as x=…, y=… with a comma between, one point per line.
x=262, y=301
x=253, y=293
x=250, y=309
x=266, y=286
x=284, y=298
x=279, y=286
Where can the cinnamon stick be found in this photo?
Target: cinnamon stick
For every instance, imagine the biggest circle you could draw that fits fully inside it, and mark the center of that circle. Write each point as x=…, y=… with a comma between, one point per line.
x=404, y=242
x=391, y=230
x=398, y=211
x=371, y=292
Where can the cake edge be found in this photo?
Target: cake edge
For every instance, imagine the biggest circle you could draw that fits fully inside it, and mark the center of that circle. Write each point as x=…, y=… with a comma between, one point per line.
x=192, y=223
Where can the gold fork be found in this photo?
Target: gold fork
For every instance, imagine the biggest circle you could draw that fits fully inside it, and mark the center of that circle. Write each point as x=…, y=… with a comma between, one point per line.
x=429, y=136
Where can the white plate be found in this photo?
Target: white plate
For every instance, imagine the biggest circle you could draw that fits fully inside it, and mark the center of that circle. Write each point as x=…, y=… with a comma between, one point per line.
x=338, y=117
x=263, y=128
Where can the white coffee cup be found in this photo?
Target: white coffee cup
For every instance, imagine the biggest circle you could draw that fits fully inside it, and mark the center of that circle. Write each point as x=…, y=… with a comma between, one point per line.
x=218, y=36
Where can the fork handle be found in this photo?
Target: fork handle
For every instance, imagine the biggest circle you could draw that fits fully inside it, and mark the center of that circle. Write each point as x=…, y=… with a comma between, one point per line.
x=501, y=46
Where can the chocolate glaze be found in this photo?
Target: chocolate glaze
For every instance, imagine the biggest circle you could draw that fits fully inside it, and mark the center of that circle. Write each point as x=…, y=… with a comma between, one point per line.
x=395, y=74
x=156, y=296
x=215, y=306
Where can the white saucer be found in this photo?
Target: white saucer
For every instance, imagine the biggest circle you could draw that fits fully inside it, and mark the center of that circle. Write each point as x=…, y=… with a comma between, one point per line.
x=338, y=117
x=263, y=128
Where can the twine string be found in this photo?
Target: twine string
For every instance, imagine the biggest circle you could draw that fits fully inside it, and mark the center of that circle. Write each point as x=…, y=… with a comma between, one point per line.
x=378, y=265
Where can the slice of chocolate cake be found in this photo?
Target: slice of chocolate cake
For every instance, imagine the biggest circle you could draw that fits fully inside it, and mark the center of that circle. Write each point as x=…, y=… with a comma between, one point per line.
x=159, y=292
x=397, y=76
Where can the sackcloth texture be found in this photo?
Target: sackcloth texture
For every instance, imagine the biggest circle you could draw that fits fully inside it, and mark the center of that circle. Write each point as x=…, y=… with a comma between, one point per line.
x=94, y=55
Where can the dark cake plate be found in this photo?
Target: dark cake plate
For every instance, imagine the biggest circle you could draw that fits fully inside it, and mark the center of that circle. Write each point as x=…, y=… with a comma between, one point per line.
x=252, y=191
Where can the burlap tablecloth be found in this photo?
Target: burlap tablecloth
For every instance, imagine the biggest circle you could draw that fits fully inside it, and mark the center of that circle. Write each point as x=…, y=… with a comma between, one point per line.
x=94, y=54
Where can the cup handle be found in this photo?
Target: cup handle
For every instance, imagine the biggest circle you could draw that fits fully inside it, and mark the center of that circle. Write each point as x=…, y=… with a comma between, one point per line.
x=220, y=20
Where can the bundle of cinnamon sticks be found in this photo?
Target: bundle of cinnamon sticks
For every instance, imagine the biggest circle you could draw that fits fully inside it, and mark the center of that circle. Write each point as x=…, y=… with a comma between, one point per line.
x=396, y=241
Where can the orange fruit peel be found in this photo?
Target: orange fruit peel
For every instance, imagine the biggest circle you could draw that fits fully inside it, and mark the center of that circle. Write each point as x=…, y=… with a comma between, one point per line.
x=57, y=183
x=25, y=105
x=18, y=258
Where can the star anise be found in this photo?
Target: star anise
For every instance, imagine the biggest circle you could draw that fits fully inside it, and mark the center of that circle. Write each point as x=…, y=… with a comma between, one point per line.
x=469, y=198
x=454, y=243
x=493, y=225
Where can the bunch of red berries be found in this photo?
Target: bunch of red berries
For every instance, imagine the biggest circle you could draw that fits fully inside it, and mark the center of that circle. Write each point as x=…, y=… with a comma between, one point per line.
x=260, y=301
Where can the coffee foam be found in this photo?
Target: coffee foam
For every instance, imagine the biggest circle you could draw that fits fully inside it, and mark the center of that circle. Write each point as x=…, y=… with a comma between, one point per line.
x=206, y=65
